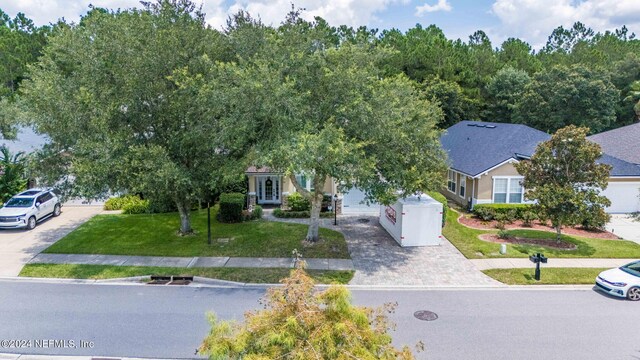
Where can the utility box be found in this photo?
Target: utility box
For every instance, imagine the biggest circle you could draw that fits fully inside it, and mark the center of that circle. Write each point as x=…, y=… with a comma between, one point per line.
x=413, y=221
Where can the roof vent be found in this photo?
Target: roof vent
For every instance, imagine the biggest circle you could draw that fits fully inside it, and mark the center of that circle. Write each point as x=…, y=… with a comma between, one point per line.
x=491, y=126
x=481, y=125
x=471, y=124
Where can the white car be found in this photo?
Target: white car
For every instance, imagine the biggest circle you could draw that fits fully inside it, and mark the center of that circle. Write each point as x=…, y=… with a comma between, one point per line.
x=622, y=282
x=28, y=208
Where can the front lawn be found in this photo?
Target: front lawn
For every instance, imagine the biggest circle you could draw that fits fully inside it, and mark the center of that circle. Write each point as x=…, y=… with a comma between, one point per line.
x=467, y=241
x=156, y=235
x=250, y=275
x=548, y=276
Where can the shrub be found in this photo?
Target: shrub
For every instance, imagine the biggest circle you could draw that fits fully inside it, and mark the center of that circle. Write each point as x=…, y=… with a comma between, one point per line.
x=443, y=200
x=136, y=206
x=595, y=219
x=116, y=203
x=256, y=213
x=231, y=205
x=297, y=202
x=528, y=217
x=504, y=234
x=279, y=213
x=501, y=220
x=512, y=212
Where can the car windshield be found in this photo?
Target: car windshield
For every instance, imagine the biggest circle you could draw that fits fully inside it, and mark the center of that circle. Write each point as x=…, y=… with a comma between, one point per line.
x=633, y=268
x=19, y=202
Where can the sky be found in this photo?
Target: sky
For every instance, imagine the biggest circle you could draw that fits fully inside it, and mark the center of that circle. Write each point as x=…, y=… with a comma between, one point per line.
x=529, y=20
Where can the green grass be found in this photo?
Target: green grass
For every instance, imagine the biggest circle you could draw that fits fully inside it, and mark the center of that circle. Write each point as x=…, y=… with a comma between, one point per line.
x=156, y=235
x=252, y=275
x=467, y=241
x=549, y=276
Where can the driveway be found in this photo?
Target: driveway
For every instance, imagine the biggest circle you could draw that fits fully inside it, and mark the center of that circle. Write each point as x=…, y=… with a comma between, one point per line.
x=17, y=247
x=379, y=260
x=623, y=226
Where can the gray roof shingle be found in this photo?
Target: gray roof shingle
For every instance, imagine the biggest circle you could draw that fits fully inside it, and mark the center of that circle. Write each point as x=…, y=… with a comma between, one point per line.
x=475, y=147
x=623, y=143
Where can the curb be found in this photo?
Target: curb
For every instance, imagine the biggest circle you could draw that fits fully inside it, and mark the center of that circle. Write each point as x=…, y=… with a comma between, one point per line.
x=216, y=283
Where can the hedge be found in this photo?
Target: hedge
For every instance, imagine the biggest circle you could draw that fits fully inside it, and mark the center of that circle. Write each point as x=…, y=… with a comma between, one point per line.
x=231, y=206
x=443, y=200
x=129, y=204
x=508, y=212
x=297, y=202
x=279, y=213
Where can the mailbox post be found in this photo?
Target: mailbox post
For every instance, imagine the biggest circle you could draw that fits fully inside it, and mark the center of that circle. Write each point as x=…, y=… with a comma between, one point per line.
x=537, y=259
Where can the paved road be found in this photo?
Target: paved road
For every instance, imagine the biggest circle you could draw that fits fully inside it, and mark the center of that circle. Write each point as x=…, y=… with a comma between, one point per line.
x=148, y=321
x=17, y=247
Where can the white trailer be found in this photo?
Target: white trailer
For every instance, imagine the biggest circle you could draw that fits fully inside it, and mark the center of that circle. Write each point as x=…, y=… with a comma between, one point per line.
x=413, y=221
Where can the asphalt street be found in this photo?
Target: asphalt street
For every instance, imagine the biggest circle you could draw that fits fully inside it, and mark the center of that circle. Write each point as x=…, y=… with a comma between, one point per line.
x=169, y=322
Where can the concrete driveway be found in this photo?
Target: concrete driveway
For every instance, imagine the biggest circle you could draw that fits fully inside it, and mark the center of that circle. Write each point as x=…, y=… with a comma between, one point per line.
x=623, y=226
x=17, y=247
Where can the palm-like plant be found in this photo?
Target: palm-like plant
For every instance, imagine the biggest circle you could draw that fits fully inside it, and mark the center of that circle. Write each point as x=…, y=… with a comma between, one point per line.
x=12, y=173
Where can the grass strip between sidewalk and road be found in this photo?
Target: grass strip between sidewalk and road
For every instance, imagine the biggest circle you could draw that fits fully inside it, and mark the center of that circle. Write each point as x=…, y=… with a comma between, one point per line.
x=156, y=235
x=244, y=275
x=548, y=276
x=468, y=242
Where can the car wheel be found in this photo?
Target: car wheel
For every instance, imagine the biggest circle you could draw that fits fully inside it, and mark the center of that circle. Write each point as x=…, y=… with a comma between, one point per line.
x=31, y=223
x=56, y=210
x=633, y=294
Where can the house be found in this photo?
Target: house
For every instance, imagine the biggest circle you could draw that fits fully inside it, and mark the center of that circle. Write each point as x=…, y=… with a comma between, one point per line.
x=482, y=157
x=267, y=187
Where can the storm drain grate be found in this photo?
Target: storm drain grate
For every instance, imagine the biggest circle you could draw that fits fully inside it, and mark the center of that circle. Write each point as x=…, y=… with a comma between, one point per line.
x=170, y=280
x=363, y=221
x=425, y=315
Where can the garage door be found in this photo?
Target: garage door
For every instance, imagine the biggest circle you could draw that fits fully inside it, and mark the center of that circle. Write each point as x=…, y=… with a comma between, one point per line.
x=623, y=196
x=352, y=203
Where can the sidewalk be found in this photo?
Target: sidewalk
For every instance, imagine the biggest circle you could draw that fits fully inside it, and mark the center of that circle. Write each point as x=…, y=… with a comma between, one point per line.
x=191, y=262
x=510, y=263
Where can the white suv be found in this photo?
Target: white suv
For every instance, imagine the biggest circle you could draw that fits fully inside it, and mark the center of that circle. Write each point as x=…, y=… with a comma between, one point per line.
x=28, y=208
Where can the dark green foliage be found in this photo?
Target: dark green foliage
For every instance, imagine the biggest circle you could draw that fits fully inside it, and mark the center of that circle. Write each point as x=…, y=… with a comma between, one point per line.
x=231, y=205
x=256, y=213
x=595, y=219
x=507, y=212
x=12, y=173
x=528, y=217
x=443, y=200
x=298, y=203
x=279, y=213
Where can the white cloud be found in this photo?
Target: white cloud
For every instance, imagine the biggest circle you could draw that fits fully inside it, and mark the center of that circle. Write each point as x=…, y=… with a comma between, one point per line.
x=442, y=5
x=534, y=20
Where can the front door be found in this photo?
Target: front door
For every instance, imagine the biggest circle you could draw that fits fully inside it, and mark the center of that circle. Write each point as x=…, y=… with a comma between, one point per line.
x=268, y=190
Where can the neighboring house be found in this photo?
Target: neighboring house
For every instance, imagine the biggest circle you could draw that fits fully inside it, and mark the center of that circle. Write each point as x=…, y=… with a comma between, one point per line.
x=481, y=158
x=272, y=188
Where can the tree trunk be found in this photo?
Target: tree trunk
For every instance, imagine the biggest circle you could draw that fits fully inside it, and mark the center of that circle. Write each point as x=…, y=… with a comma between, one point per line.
x=314, y=220
x=558, y=232
x=184, y=208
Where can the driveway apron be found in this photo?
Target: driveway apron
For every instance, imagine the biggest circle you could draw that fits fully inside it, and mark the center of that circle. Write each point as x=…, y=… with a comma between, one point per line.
x=18, y=246
x=625, y=227
x=379, y=260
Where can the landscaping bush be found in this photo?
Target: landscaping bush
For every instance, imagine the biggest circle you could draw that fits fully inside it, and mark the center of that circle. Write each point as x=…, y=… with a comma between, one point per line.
x=231, y=205
x=256, y=213
x=136, y=206
x=528, y=217
x=443, y=200
x=595, y=219
x=279, y=213
x=297, y=202
x=512, y=212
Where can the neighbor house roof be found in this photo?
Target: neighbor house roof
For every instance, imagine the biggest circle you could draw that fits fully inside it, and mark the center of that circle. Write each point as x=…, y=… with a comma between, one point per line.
x=475, y=147
x=258, y=170
x=623, y=143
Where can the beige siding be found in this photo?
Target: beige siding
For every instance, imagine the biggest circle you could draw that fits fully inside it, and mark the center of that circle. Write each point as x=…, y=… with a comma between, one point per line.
x=252, y=183
x=625, y=179
x=485, y=183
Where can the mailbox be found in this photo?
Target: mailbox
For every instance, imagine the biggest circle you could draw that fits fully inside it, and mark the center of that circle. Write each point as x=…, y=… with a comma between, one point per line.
x=538, y=259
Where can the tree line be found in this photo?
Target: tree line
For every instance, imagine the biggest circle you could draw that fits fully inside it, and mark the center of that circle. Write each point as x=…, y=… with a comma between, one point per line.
x=154, y=101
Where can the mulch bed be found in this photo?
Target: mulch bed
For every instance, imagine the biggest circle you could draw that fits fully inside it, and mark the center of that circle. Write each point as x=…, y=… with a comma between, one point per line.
x=476, y=223
x=549, y=243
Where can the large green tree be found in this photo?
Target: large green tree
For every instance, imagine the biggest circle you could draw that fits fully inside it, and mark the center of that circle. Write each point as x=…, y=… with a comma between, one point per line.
x=504, y=91
x=325, y=110
x=563, y=96
x=115, y=93
x=13, y=177
x=565, y=179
